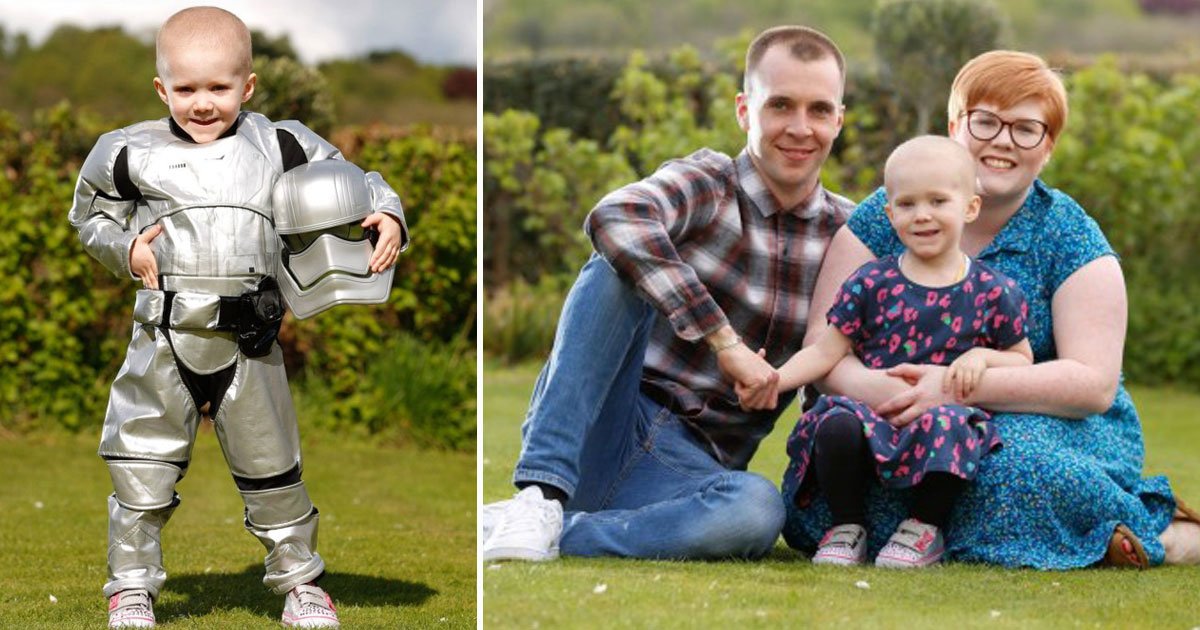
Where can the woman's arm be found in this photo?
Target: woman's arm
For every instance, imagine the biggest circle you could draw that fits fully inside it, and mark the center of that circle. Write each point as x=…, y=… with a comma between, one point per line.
x=845, y=254
x=1089, y=313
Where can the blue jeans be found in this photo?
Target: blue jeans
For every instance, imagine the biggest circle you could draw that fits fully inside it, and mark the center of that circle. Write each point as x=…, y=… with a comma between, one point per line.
x=640, y=483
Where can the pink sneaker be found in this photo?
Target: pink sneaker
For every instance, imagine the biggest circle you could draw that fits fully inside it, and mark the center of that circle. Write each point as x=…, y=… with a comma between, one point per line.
x=915, y=544
x=308, y=606
x=843, y=545
x=131, y=608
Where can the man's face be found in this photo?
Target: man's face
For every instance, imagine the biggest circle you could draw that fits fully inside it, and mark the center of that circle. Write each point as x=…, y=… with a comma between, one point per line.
x=204, y=90
x=791, y=115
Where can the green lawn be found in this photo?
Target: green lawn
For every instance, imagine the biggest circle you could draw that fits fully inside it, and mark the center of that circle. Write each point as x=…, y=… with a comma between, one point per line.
x=397, y=535
x=785, y=590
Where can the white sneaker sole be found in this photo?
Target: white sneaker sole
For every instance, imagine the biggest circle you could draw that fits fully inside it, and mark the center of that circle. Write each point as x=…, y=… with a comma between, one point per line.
x=886, y=562
x=519, y=553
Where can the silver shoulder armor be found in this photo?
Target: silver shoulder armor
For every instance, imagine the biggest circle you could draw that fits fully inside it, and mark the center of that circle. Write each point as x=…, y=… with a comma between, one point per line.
x=315, y=147
x=100, y=214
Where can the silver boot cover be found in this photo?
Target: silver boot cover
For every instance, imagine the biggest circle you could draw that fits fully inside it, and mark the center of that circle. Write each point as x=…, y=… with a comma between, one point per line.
x=284, y=520
x=134, y=548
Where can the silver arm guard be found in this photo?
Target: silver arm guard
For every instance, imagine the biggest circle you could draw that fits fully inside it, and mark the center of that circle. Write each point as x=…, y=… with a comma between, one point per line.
x=99, y=214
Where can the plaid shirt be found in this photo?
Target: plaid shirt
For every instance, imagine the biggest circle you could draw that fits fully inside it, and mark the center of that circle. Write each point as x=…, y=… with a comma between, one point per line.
x=707, y=244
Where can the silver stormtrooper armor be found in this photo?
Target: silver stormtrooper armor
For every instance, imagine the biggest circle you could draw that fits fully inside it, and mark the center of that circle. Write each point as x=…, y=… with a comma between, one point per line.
x=217, y=256
x=319, y=208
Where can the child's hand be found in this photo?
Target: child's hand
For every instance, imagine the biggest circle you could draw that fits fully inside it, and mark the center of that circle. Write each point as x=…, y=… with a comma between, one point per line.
x=965, y=373
x=387, y=248
x=141, y=257
x=764, y=396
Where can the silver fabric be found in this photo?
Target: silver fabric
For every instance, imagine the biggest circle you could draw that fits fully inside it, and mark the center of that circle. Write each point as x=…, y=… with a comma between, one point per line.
x=330, y=270
x=291, y=560
x=143, y=484
x=213, y=202
x=135, y=548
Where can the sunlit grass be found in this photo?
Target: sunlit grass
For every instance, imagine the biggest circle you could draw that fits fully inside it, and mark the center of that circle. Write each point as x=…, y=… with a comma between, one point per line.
x=785, y=590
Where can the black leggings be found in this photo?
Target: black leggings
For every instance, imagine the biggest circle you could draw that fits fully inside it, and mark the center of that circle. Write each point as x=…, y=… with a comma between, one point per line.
x=844, y=467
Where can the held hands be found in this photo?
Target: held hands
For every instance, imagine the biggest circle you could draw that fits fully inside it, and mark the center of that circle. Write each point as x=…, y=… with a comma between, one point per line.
x=387, y=248
x=141, y=257
x=925, y=393
x=765, y=396
x=964, y=374
x=754, y=380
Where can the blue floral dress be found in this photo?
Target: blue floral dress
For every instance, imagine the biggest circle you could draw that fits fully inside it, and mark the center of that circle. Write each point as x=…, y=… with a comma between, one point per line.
x=890, y=320
x=1052, y=496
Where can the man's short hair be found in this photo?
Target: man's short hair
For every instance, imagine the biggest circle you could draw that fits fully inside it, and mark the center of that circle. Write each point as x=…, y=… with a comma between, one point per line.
x=1006, y=77
x=211, y=25
x=804, y=43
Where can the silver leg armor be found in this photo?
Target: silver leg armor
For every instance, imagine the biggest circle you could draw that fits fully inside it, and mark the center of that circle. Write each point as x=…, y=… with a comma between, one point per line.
x=153, y=415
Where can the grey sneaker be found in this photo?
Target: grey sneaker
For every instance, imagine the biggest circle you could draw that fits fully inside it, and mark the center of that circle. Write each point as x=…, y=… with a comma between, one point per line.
x=131, y=608
x=526, y=529
x=489, y=515
x=915, y=544
x=309, y=606
x=843, y=545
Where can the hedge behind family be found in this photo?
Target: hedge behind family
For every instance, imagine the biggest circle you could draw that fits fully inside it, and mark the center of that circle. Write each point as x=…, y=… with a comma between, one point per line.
x=964, y=324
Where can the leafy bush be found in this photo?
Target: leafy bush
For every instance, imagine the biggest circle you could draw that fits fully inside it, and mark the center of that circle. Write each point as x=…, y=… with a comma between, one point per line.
x=409, y=390
x=520, y=318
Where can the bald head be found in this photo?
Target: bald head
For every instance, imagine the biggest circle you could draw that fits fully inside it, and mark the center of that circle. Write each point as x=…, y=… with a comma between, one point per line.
x=930, y=153
x=209, y=28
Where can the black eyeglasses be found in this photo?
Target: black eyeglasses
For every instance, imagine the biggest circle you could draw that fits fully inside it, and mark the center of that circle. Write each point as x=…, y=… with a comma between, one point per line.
x=1026, y=133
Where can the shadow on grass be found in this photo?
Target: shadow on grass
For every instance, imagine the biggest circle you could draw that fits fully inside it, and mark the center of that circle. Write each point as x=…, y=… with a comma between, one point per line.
x=198, y=594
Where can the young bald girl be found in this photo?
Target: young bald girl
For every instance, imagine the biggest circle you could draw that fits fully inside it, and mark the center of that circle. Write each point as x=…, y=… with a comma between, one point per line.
x=184, y=205
x=931, y=304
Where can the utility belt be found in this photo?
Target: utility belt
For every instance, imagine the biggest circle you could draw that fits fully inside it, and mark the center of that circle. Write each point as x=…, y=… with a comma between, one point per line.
x=254, y=317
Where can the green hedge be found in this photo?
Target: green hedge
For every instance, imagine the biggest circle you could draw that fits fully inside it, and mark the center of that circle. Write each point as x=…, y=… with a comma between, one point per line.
x=65, y=320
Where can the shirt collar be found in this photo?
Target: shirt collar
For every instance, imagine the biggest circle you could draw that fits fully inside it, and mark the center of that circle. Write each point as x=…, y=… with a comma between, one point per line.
x=178, y=131
x=1018, y=232
x=756, y=190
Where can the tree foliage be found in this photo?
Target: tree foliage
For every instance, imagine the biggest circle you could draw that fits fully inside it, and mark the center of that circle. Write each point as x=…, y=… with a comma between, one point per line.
x=921, y=44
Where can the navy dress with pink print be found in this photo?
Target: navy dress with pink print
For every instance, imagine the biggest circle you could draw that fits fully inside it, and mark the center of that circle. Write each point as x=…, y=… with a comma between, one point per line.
x=891, y=320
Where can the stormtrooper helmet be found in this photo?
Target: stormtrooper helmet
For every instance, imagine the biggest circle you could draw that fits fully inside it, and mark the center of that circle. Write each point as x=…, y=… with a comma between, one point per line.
x=319, y=208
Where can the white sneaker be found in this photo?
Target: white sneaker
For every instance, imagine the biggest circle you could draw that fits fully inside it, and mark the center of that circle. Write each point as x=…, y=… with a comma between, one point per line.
x=489, y=515
x=843, y=545
x=526, y=529
x=915, y=544
x=308, y=606
x=131, y=608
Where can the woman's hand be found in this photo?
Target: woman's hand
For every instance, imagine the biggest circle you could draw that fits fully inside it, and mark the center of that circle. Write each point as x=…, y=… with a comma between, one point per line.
x=925, y=393
x=387, y=248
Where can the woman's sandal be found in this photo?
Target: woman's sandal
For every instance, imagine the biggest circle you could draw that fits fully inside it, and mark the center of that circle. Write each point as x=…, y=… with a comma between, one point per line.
x=1185, y=513
x=1125, y=550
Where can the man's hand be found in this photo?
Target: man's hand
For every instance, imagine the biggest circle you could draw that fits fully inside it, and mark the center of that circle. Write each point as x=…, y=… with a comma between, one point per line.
x=965, y=373
x=141, y=257
x=766, y=396
x=754, y=380
x=387, y=248
x=926, y=393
